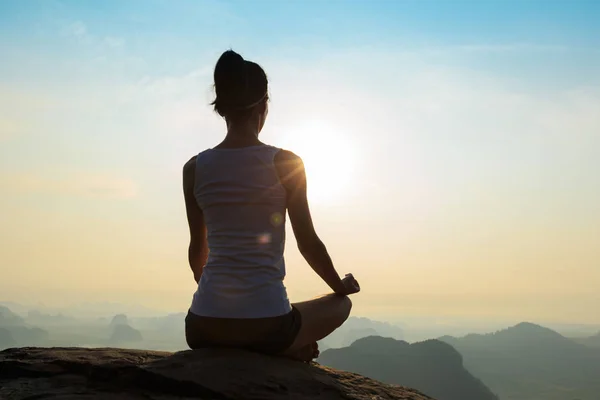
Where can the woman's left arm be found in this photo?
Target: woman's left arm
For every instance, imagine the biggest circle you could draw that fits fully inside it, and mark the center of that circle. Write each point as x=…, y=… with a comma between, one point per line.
x=198, y=250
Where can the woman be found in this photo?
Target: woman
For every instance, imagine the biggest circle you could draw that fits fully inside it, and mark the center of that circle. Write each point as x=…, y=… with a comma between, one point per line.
x=236, y=197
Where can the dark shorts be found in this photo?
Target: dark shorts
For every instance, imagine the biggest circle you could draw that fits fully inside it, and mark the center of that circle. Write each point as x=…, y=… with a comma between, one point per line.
x=263, y=335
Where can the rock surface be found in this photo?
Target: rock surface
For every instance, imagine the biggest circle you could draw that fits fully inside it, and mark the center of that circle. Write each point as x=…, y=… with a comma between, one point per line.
x=211, y=374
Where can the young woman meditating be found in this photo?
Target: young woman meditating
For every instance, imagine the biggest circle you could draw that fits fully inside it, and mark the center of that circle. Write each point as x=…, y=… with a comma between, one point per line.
x=236, y=196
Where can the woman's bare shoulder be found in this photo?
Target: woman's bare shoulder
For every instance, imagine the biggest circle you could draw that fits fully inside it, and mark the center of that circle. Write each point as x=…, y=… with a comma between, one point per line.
x=190, y=164
x=290, y=168
x=286, y=159
x=189, y=171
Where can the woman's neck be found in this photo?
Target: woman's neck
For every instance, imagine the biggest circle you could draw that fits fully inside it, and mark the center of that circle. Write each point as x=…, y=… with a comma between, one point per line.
x=240, y=136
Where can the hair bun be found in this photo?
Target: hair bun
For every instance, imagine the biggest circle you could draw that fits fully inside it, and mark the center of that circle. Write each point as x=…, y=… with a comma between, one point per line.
x=239, y=84
x=230, y=79
x=229, y=62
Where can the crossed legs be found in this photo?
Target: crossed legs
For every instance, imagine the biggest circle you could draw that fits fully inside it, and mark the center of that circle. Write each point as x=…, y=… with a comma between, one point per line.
x=320, y=317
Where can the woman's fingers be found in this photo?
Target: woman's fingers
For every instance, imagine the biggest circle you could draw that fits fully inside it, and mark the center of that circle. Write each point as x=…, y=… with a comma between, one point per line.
x=356, y=285
x=351, y=284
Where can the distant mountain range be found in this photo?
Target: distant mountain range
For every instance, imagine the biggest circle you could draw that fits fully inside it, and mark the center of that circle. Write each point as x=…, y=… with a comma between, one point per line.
x=592, y=341
x=432, y=367
x=35, y=328
x=530, y=362
x=358, y=327
x=14, y=331
x=9, y=318
x=523, y=362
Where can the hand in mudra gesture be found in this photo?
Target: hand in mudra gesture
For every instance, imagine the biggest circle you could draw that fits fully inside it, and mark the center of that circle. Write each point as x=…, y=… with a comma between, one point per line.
x=351, y=285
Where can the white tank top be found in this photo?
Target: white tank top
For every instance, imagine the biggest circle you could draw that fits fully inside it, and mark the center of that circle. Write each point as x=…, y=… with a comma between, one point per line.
x=244, y=207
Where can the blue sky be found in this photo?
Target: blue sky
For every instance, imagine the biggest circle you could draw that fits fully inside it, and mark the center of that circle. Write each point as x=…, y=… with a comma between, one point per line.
x=174, y=36
x=442, y=21
x=336, y=23
x=547, y=39
x=472, y=127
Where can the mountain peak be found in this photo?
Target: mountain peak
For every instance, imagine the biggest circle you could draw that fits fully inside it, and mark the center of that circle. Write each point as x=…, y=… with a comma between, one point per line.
x=528, y=329
x=374, y=342
x=431, y=366
x=9, y=318
x=528, y=325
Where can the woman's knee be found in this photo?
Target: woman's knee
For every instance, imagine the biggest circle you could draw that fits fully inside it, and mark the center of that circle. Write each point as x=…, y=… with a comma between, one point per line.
x=345, y=308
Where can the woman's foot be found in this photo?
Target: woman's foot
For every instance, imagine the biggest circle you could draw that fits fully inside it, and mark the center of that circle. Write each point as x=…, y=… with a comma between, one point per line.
x=306, y=353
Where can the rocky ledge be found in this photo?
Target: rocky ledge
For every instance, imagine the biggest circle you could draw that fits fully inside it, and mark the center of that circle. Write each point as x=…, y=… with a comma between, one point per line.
x=215, y=374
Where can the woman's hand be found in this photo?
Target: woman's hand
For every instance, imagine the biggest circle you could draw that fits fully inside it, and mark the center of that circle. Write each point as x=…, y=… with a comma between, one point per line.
x=351, y=285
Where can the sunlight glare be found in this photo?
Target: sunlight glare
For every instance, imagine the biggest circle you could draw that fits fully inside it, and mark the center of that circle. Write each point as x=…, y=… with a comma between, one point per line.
x=329, y=159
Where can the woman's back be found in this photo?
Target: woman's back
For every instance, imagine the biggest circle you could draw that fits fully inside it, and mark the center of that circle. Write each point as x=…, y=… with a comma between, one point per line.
x=244, y=205
x=236, y=198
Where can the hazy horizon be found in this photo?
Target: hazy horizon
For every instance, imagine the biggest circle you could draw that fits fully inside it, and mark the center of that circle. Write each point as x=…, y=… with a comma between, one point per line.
x=468, y=139
x=470, y=324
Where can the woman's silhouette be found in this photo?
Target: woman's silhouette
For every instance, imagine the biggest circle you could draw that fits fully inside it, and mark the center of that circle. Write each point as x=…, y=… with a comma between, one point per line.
x=236, y=197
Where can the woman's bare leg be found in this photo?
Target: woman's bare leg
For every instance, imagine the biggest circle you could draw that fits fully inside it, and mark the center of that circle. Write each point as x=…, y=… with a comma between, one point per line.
x=320, y=317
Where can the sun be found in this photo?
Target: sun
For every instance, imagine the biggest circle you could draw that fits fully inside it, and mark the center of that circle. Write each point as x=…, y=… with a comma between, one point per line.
x=329, y=159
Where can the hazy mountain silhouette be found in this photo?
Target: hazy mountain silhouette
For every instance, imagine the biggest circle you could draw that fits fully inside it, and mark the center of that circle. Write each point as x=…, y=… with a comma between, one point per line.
x=6, y=339
x=25, y=336
x=14, y=307
x=358, y=327
x=16, y=332
x=122, y=334
x=531, y=362
x=9, y=318
x=170, y=323
x=60, y=328
x=432, y=367
x=119, y=319
x=125, y=334
x=39, y=318
x=592, y=341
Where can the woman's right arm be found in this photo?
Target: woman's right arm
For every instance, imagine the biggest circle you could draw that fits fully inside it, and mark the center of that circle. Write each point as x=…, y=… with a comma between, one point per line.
x=293, y=177
x=198, y=249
